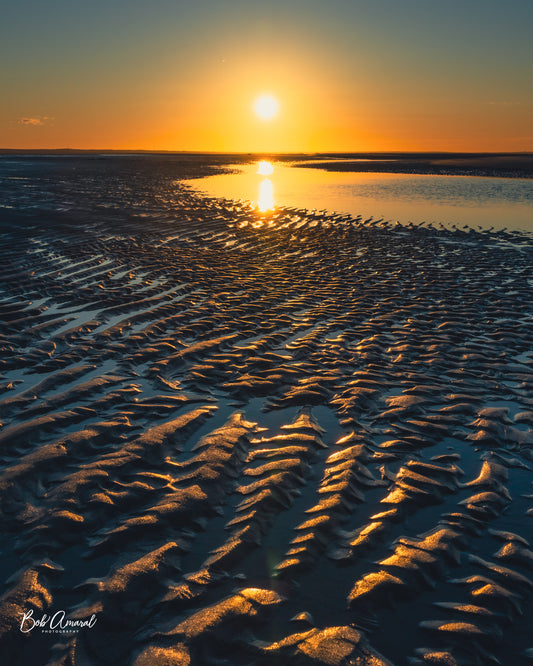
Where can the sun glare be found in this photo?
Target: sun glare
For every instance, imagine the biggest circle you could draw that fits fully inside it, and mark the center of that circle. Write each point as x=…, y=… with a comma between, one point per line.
x=266, y=196
x=264, y=168
x=266, y=107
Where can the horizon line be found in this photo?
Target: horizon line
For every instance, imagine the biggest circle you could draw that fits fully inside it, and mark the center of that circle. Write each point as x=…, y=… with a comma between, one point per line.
x=4, y=151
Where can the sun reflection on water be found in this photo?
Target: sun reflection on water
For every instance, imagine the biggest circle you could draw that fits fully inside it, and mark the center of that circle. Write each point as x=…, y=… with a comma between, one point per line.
x=265, y=168
x=265, y=200
x=266, y=195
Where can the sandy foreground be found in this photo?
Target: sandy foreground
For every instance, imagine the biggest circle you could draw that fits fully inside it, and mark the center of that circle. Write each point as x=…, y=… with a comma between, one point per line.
x=237, y=438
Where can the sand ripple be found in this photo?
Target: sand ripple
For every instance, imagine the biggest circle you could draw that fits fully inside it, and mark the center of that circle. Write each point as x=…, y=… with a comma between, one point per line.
x=243, y=438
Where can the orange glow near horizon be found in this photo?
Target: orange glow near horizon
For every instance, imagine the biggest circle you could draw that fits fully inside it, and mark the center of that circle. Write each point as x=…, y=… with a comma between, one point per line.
x=328, y=102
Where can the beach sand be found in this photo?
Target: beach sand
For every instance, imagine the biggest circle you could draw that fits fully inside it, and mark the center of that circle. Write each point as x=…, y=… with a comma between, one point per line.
x=242, y=438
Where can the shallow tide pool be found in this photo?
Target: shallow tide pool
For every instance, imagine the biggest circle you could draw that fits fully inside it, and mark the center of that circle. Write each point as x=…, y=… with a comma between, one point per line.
x=460, y=200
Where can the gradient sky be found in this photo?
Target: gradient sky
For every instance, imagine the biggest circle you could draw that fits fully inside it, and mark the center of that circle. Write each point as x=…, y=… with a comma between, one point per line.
x=348, y=74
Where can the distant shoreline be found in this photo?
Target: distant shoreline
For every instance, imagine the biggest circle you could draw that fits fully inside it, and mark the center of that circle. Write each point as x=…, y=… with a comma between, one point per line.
x=502, y=165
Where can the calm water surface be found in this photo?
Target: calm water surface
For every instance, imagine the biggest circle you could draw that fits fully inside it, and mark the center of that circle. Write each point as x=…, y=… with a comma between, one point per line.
x=460, y=200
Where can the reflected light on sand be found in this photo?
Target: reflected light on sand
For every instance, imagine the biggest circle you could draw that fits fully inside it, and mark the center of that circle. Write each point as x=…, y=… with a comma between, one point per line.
x=266, y=195
x=265, y=168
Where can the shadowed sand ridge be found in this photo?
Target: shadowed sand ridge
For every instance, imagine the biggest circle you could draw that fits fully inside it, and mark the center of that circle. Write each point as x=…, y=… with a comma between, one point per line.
x=244, y=438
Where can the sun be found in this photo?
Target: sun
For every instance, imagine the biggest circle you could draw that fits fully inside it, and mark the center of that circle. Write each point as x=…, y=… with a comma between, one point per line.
x=266, y=107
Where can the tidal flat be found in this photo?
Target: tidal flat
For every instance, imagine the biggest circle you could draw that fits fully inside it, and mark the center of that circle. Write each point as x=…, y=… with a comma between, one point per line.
x=254, y=438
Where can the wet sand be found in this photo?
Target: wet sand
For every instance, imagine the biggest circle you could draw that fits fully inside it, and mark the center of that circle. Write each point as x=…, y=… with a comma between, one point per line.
x=243, y=438
x=498, y=165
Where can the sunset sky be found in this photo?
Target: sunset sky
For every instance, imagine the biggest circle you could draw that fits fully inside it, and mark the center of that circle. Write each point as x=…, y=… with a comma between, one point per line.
x=348, y=75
